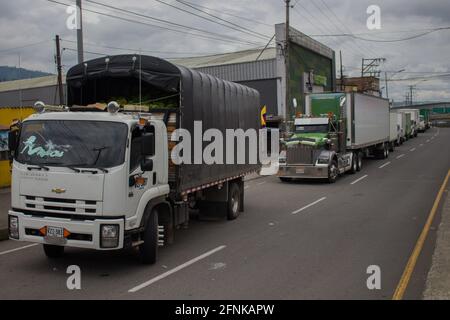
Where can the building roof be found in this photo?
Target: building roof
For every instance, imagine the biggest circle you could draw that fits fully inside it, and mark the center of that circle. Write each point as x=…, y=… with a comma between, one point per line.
x=226, y=58
x=39, y=82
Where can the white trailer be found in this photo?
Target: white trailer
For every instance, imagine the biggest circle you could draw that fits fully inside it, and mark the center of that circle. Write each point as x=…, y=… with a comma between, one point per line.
x=401, y=122
x=394, y=132
x=415, y=119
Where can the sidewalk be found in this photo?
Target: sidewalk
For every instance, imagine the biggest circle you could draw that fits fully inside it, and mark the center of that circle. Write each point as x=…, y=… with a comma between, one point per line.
x=438, y=282
x=5, y=204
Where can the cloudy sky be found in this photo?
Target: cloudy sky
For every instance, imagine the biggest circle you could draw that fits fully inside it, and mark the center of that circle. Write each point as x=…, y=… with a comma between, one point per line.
x=27, y=27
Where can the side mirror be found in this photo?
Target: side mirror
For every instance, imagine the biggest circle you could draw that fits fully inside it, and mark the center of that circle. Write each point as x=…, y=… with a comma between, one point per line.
x=147, y=165
x=148, y=145
x=12, y=140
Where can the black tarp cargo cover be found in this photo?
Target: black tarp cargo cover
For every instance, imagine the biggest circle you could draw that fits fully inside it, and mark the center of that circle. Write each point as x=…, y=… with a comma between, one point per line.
x=219, y=104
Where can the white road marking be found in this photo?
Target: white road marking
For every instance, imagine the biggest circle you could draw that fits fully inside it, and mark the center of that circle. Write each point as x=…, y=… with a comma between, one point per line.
x=358, y=180
x=428, y=141
x=261, y=183
x=18, y=249
x=421, y=145
x=400, y=156
x=413, y=149
x=246, y=187
x=385, y=165
x=309, y=205
x=180, y=267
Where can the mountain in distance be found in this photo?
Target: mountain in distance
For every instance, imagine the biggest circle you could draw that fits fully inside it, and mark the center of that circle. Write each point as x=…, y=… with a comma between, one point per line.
x=13, y=73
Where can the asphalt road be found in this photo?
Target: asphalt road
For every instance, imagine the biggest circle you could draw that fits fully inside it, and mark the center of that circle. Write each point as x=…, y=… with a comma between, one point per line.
x=320, y=252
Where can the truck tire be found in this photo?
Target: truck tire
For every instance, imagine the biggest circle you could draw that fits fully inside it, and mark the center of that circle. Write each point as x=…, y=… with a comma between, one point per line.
x=333, y=172
x=392, y=146
x=149, y=249
x=360, y=162
x=234, y=200
x=53, y=252
x=354, y=168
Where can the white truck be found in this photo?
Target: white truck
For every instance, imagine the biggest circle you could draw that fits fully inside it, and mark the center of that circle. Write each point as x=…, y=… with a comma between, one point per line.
x=106, y=180
x=401, y=123
x=394, y=131
x=415, y=120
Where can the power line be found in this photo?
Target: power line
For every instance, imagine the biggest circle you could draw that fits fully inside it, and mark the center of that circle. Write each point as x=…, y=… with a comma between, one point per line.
x=344, y=25
x=134, y=50
x=26, y=46
x=335, y=25
x=219, y=37
x=166, y=21
x=229, y=14
x=231, y=25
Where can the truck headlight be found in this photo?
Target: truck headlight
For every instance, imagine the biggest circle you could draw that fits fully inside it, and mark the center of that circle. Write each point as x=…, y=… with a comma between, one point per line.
x=13, y=227
x=109, y=235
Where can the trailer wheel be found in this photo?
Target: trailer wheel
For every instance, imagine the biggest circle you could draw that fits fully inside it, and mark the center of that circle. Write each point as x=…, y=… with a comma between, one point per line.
x=360, y=161
x=234, y=200
x=53, y=252
x=333, y=172
x=149, y=249
x=354, y=168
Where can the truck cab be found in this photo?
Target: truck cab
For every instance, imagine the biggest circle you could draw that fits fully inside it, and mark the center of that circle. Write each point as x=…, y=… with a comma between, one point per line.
x=83, y=179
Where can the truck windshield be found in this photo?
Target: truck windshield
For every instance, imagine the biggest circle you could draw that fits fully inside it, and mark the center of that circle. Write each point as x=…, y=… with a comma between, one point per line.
x=311, y=129
x=67, y=143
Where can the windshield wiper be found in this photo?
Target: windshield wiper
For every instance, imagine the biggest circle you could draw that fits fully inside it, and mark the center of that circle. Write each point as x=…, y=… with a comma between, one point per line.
x=38, y=167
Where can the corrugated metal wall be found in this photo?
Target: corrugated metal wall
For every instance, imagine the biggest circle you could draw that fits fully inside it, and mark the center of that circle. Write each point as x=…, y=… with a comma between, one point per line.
x=257, y=70
x=48, y=94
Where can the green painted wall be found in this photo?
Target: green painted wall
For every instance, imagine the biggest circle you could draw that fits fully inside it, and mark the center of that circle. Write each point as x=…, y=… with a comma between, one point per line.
x=302, y=60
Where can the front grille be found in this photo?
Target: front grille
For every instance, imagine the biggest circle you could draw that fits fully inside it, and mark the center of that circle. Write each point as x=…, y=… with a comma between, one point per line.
x=300, y=154
x=67, y=206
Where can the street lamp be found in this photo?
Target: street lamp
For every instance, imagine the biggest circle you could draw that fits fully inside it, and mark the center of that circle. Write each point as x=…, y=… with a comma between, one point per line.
x=386, y=79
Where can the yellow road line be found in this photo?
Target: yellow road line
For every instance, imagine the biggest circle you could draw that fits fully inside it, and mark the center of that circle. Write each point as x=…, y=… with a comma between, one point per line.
x=404, y=281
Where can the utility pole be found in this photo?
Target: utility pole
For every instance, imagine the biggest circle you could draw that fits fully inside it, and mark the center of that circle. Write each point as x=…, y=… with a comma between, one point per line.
x=286, y=61
x=412, y=88
x=342, y=72
x=59, y=68
x=387, y=88
x=80, y=32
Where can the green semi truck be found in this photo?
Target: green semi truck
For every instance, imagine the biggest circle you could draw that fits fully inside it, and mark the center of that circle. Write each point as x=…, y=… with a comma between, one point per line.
x=338, y=131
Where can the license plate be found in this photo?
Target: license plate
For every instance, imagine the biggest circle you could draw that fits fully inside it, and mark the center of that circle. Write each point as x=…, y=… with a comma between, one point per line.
x=55, y=232
x=300, y=171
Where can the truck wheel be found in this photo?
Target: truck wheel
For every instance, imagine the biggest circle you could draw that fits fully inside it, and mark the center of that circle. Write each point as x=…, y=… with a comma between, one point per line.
x=53, y=252
x=354, y=168
x=391, y=147
x=360, y=161
x=333, y=172
x=234, y=200
x=149, y=249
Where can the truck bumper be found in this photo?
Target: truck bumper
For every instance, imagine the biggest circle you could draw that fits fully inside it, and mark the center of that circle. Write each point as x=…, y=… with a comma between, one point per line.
x=83, y=234
x=303, y=172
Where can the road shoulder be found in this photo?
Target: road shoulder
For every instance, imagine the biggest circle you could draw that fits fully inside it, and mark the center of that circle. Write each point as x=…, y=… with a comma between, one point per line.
x=438, y=280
